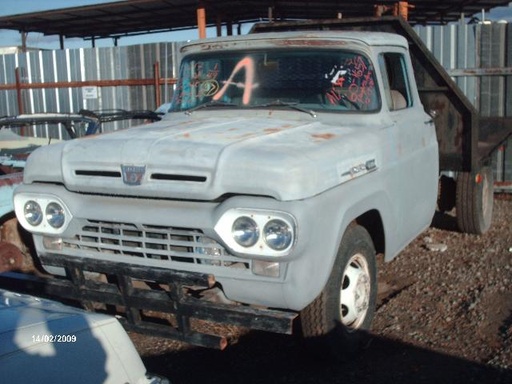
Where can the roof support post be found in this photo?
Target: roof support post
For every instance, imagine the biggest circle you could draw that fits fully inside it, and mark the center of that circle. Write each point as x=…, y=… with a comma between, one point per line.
x=402, y=9
x=24, y=36
x=218, y=25
x=156, y=72
x=61, y=41
x=19, y=97
x=201, y=21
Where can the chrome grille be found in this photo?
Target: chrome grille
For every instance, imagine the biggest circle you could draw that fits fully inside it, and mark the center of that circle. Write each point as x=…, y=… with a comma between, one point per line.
x=168, y=244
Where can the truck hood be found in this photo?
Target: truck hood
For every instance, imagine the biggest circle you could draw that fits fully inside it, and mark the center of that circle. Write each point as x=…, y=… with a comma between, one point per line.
x=204, y=157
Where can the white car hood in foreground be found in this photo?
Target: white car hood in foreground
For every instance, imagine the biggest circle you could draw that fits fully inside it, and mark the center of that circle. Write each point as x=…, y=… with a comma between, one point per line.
x=204, y=157
x=42, y=341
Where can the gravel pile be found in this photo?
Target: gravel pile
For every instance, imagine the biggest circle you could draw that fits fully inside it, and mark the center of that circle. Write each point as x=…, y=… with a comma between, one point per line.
x=457, y=301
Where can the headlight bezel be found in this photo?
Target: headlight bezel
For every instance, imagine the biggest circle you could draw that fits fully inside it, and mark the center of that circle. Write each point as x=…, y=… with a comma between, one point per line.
x=27, y=212
x=44, y=201
x=224, y=228
x=287, y=238
x=250, y=229
x=52, y=218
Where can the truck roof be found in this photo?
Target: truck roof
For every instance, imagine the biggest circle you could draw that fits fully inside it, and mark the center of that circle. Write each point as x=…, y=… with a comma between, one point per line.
x=302, y=38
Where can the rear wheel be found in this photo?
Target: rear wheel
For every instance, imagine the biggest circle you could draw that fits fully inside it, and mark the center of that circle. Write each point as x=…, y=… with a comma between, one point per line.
x=344, y=310
x=474, y=201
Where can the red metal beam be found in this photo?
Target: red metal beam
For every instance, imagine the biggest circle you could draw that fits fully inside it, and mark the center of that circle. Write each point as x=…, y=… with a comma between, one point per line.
x=77, y=84
x=156, y=81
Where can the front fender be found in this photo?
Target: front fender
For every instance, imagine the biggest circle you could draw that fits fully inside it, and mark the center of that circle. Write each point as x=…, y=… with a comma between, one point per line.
x=330, y=215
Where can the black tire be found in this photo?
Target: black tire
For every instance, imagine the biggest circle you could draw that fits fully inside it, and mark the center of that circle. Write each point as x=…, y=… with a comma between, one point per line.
x=474, y=202
x=339, y=318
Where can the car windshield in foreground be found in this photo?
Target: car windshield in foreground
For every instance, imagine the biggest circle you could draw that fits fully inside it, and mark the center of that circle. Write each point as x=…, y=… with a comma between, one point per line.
x=305, y=80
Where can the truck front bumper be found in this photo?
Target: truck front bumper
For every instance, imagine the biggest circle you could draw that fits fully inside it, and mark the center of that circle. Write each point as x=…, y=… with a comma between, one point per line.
x=153, y=301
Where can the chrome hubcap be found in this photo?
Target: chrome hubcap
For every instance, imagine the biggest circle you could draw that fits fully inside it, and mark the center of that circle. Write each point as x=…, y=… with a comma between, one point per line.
x=355, y=292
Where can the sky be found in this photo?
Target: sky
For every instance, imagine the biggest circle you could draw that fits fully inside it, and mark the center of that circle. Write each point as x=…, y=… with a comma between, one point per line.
x=15, y=7
x=10, y=38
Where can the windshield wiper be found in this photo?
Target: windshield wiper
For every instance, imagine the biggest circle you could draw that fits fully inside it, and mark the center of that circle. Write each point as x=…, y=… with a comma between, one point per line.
x=212, y=103
x=279, y=103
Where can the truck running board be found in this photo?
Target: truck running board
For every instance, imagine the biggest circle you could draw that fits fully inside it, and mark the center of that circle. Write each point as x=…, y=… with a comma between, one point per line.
x=147, y=300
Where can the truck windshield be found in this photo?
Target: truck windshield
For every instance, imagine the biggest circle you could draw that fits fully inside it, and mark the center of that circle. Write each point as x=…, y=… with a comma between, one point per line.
x=320, y=80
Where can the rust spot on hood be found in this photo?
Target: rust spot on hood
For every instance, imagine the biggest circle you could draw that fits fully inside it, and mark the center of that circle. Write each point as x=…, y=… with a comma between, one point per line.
x=271, y=130
x=323, y=136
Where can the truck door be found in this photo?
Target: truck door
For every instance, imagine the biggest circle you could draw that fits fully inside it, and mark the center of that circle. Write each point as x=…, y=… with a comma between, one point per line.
x=412, y=146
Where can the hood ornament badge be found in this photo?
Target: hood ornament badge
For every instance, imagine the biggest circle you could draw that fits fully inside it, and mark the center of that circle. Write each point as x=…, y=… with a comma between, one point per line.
x=133, y=174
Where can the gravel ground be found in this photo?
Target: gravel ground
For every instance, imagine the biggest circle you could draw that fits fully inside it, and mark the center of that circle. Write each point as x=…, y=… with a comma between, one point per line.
x=444, y=316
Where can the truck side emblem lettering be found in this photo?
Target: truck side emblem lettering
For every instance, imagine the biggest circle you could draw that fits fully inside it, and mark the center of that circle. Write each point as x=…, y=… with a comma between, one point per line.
x=366, y=167
x=370, y=165
x=133, y=174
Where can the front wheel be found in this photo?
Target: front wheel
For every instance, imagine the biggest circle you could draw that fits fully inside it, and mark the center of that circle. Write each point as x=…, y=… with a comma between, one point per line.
x=344, y=310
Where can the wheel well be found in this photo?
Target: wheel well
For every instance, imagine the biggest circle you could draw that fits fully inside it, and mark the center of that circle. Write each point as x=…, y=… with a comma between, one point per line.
x=372, y=222
x=8, y=216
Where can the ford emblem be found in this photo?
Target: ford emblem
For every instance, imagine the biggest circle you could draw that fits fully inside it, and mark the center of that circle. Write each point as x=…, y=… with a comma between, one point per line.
x=133, y=174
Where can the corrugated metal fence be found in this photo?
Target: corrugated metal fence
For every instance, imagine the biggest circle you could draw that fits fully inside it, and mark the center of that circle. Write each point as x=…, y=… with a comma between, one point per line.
x=100, y=79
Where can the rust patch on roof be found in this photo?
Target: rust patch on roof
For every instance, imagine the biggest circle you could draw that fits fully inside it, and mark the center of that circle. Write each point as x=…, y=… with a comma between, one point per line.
x=271, y=130
x=315, y=42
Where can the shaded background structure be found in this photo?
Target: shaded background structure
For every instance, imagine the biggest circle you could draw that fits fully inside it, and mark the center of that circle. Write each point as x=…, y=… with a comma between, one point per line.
x=136, y=17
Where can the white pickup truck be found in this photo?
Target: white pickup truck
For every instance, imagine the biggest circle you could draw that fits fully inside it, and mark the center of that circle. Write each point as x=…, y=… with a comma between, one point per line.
x=288, y=161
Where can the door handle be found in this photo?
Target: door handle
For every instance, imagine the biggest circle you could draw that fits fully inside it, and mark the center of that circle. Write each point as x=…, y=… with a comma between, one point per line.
x=433, y=114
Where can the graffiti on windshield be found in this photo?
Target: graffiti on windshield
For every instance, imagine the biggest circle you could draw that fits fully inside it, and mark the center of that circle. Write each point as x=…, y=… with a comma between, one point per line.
x=201, y=81
x=248, y=85
x=328, y=80
x=353, y=80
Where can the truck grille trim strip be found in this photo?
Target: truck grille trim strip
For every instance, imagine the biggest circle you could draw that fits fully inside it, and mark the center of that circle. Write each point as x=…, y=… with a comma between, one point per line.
x=171, y=177
x=168, y=244
x=114, y=174
x=154, y=176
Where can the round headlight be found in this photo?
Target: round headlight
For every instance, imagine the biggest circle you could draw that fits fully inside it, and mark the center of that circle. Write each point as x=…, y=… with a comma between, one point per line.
x=277, y=234
x=245, y=231
x=33, y=213
x=55, y=215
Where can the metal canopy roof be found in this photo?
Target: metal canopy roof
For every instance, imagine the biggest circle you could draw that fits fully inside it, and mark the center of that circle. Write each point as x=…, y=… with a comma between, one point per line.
x=126, y=18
